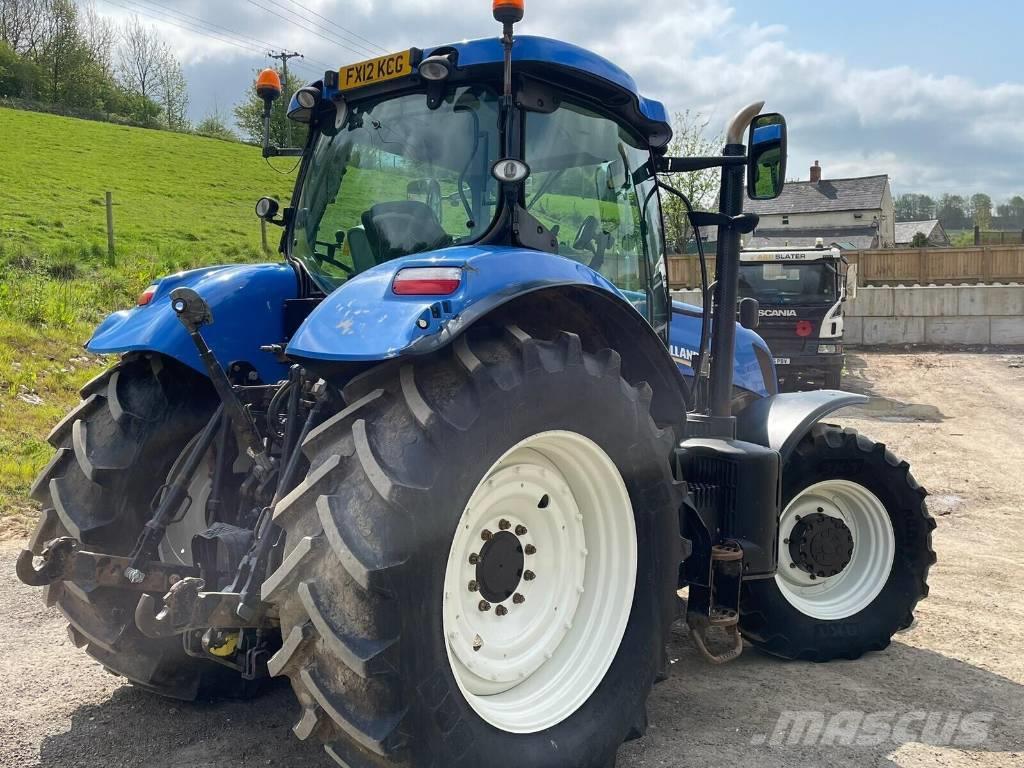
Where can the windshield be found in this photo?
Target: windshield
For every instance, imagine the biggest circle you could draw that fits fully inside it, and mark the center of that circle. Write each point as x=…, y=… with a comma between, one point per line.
x=398, y=178
x=588, y=187
x=789, y=283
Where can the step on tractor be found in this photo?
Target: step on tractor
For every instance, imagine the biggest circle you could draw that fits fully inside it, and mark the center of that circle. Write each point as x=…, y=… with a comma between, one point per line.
x=450, y=465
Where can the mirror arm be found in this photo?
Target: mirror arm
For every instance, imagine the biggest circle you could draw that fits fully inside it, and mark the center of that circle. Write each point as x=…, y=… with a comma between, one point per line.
x=683, y=164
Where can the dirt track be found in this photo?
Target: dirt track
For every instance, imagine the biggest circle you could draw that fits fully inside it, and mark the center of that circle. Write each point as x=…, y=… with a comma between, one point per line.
x=958, y=418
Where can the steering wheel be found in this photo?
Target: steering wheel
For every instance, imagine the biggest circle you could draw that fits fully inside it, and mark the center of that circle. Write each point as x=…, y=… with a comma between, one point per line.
x=587, y=232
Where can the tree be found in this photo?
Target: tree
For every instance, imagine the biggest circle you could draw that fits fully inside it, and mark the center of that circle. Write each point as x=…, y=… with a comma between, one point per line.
x=172, y=91
x=215, y=126
x=919, y=240
x=19, y=77
x=981, y=208
x=952, y=212
x=23, y=24
x=249, y=113
x=689, y=140
x=140, y=57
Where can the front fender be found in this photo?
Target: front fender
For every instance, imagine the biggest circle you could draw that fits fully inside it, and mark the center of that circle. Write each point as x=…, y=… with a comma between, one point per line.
x=781, y=421
x=365, y=321
x=247, y=302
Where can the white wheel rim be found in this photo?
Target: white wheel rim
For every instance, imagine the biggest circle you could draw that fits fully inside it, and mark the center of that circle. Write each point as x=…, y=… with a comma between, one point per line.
x=874, y=549
x=533, y=667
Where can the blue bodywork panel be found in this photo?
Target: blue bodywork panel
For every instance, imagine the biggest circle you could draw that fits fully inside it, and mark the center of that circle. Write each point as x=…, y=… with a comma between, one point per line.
x=749, y=372
x=365, y=320
x=248, y=311
x=545, y=51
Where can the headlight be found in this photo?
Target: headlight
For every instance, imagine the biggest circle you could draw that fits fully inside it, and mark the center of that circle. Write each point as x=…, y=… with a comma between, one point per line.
x=829, y=349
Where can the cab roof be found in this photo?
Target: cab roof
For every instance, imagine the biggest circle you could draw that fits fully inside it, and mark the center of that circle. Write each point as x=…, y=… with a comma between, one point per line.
x=571, y=65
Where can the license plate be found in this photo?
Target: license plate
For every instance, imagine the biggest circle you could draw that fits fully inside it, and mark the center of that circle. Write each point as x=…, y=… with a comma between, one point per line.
x=389, y=67
x=782, y=361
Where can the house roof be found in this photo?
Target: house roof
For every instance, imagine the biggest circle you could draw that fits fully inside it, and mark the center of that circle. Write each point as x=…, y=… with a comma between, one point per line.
x=905, y=230
x=847, y=238
x=862, y=193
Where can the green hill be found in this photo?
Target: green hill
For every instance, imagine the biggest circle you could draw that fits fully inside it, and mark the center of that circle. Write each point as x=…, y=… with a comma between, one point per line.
x=174, y=193
x=180, y=202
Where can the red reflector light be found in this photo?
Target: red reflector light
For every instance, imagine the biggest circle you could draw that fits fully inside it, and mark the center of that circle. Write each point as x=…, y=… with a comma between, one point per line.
x=146, y=296
x=427, y=281
x=804, y=328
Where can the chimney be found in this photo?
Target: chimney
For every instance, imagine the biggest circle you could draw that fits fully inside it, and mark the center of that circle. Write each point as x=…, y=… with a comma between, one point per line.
x=815, y=173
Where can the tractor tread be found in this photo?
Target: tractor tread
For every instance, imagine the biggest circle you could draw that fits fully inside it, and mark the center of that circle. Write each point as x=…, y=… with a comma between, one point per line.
x=286, y=575
x=365, y=657
x=308, y=487
x=378, y=734
x=369, y=565
x=60, y=433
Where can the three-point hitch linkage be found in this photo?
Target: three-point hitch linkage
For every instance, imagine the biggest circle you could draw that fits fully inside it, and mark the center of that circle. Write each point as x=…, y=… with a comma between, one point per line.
x=221, y=596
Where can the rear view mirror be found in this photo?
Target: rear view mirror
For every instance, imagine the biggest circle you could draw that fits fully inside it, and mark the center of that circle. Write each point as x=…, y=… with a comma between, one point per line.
x=766, y=166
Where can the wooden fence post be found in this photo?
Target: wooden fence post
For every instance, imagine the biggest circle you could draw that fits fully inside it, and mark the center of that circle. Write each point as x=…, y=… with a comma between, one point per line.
x=263, y=235
x=108, y=199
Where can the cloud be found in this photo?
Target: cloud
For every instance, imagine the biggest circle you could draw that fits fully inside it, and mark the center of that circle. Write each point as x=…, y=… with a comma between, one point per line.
x=931, y=132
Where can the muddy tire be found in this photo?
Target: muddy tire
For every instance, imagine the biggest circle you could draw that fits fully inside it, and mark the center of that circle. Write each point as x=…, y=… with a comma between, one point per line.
x=855, y=546
x=362, y=590
x=133, y=422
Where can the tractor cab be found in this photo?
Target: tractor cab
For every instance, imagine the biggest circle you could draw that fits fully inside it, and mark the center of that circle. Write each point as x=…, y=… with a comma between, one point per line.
x=421, y=151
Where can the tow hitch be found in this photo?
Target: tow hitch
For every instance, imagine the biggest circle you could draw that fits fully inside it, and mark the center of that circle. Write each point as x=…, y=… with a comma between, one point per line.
x=62, y=560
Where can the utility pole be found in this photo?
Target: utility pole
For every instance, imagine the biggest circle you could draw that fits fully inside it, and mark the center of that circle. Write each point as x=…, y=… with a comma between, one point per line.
x=284, y=56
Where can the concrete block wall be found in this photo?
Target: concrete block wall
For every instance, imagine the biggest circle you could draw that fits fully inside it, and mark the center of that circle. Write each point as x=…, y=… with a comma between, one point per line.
x=935, y=315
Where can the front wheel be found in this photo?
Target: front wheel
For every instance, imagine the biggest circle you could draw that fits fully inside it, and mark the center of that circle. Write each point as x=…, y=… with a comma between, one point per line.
x=854, y=552
x=481, y=563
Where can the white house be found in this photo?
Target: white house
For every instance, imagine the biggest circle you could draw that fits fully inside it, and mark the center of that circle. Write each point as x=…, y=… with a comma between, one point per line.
x=852, y=213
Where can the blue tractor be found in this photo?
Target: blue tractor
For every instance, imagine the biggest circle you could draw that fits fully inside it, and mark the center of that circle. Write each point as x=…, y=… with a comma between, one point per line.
x=449, y=465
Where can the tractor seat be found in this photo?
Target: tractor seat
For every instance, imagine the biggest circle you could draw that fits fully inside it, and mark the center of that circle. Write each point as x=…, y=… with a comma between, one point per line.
x=403, y=227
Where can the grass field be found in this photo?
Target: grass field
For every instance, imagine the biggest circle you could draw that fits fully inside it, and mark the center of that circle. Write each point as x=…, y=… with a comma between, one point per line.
x=180, y=202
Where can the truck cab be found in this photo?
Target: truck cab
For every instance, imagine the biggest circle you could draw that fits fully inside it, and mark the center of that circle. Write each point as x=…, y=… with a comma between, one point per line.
x=801, y=293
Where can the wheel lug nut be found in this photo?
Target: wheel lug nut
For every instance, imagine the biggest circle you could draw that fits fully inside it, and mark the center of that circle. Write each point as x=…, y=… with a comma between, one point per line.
x=501, y=610
x=473, y=586
x=529, y=575
x=474, y=559
x=484, y=606
x=518, y=599
x=520, y=530
x=530, y=549
x=792, y=565
x=504, y=525
x=486, y=535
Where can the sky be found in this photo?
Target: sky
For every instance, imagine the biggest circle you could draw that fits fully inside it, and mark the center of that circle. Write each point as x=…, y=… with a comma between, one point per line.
x=931, y=94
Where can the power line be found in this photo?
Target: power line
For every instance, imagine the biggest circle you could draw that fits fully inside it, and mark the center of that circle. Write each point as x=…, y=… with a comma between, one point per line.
x=333, y=23
x=210, y=24
x=334, y=40
x=159, y=15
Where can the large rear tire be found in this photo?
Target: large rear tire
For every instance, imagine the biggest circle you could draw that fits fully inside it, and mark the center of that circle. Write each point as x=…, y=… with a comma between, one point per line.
x=112, y=453
x=855, y=546
x=371, y=614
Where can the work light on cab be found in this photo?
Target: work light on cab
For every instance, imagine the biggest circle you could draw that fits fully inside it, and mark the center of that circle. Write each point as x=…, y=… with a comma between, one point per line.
x=427, y=281
x=436, y=68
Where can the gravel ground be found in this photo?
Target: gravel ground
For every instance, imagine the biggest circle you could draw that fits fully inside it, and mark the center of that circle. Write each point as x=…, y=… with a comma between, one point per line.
x=957, y=417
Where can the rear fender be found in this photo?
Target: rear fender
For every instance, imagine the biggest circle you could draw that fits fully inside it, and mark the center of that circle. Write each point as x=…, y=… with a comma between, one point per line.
x=247, y=302
x=781, y=421
x=365, y=322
